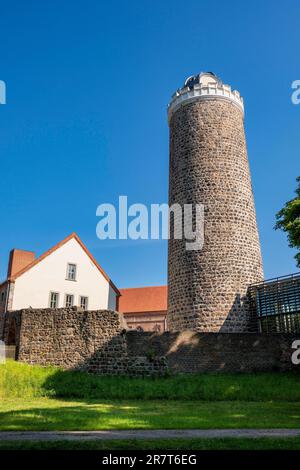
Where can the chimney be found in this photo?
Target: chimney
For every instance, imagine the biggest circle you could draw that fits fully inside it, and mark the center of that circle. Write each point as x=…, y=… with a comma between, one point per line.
x=18, y=260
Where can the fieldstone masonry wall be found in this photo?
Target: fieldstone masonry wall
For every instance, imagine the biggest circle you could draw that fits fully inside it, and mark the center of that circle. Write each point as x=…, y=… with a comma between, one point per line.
x=193, y=352
x=209, y=166
x=98, y=342
x=93, y=341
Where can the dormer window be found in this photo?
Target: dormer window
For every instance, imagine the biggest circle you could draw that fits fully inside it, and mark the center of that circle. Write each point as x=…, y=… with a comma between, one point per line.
x=71, y=272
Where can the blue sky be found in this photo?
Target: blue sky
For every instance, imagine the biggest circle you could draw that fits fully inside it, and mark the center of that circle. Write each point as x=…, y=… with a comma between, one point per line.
x=88, y=83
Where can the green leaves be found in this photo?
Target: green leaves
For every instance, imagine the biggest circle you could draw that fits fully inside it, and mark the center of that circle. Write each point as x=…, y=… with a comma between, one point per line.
x=288, y=220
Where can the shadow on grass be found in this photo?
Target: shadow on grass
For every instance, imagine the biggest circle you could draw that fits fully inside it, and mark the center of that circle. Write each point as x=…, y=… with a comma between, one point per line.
x=257, y=387
x=47, y=414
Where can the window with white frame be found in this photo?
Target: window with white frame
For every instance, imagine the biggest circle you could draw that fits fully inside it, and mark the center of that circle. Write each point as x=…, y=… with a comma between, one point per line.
x=69, y=300
x=71, y=272
x=54, y=297
x=84, y=301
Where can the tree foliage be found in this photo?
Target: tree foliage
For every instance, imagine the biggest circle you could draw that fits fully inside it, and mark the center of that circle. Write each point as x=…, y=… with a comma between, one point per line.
x=288, y=220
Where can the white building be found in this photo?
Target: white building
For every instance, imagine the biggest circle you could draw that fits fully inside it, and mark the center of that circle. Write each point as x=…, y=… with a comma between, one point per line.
x=66, y=275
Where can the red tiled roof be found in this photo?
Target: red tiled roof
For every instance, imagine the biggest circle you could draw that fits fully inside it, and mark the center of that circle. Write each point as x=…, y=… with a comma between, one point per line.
x=143, y=299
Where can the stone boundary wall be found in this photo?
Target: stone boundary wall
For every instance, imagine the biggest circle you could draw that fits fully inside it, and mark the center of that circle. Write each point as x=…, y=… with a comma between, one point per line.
x=97, y=341
x=93, y=341
x=192, y=352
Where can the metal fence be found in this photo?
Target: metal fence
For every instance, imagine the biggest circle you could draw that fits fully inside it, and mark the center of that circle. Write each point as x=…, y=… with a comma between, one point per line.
x=275, y=305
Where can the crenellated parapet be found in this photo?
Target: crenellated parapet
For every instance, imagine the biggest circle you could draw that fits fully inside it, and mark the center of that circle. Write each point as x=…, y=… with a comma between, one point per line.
x=205, y=86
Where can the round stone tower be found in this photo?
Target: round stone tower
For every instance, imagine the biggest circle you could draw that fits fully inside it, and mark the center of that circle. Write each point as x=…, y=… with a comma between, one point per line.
x=209, y=166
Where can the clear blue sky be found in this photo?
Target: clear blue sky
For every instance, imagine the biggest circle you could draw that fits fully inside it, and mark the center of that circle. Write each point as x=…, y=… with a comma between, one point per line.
x=88, y=83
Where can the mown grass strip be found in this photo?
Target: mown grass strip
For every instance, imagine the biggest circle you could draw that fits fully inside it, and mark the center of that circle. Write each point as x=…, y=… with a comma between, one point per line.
x=45, y=414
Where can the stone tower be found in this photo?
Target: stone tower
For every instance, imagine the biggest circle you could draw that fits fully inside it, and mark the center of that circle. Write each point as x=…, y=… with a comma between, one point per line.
x=209, y=166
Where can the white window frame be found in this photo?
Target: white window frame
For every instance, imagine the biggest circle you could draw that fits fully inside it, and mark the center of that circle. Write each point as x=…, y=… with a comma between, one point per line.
x=66, y=296
x=68, y=277
x=57, y=299
x=87, y=302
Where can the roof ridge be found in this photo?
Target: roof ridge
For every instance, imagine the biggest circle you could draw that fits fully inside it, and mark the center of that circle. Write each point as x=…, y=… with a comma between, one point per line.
x=56, y=247
x=143, y=287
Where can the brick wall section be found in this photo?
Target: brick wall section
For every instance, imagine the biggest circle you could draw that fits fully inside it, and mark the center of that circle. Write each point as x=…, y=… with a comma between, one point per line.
x=18, y=260
x=148, y=321
x=209, y=166
x=97, y=342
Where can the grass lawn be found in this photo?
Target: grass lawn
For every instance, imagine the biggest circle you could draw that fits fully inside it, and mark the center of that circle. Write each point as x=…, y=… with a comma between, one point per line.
x=51, y=414
x=24, y=381
x=34, y=398
x=164, y=444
